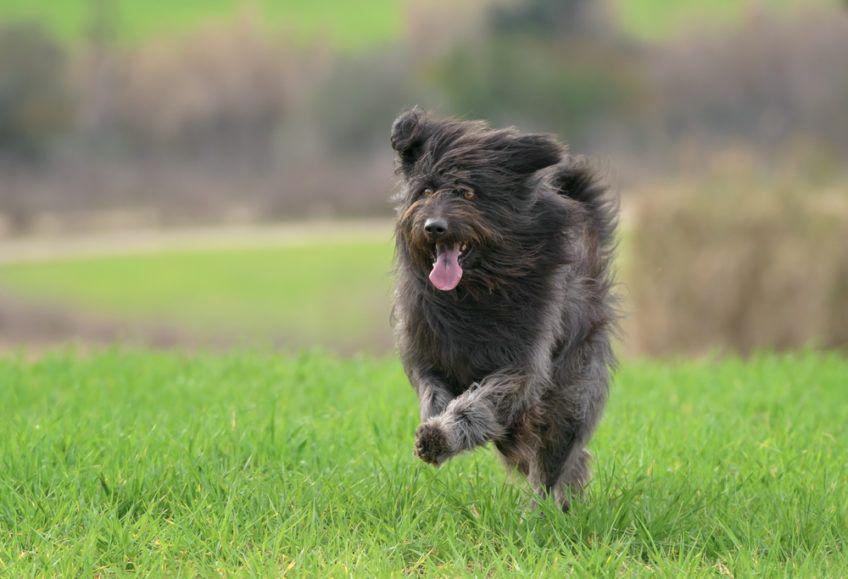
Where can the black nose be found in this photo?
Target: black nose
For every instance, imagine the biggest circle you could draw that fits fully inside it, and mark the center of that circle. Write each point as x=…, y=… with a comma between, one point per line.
x=436, y=226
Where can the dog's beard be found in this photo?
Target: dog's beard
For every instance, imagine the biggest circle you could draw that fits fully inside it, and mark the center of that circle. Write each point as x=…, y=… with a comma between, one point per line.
x=451, y=260
x=447, y=271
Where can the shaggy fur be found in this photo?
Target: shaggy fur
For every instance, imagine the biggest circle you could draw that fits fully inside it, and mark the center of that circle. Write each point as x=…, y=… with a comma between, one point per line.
x=519, y=352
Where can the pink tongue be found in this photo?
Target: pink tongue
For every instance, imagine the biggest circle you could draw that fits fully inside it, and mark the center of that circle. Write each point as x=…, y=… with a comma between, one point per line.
x=446, y=271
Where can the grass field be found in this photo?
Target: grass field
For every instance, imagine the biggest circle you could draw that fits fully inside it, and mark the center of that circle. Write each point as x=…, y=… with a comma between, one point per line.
x=663, y=19
x=315, y=292
x=348, y=25
x=166, y=464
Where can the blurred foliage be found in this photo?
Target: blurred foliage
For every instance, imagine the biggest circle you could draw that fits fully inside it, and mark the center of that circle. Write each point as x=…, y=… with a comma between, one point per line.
x=224, y=87
x=767, y=81
x=35, y=101
x=738, y=264
x=358, y=101
x=541, y=18
x=191, y=112
x=567, y=88
x=547, y=65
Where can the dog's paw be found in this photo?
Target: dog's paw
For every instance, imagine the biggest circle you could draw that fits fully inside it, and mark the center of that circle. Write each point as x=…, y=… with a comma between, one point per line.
x=432, y=444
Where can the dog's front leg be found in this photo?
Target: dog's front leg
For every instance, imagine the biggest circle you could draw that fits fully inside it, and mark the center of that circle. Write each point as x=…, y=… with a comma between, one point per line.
x=433, y=395
x=479, y=415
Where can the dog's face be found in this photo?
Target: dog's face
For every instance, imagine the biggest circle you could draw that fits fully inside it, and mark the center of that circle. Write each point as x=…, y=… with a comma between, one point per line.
x=464, y=193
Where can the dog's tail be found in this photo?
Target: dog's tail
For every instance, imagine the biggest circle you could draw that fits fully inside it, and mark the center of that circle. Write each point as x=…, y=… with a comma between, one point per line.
x=577, y=178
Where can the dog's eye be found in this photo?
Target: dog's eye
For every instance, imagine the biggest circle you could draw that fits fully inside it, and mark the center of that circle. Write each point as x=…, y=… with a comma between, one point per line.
x=468, y=193
x=427, y=192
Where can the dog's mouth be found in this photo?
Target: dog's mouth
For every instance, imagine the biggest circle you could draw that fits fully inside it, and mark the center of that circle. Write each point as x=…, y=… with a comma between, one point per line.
x=447, y=266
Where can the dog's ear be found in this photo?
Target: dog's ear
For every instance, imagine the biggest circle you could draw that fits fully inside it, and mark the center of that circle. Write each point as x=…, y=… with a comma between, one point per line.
x=409, y=133
x=526, y=154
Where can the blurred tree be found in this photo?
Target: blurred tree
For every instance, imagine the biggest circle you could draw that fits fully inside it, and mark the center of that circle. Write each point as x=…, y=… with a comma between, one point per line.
x=35, y=101
x=513, y=81
x=101, y=81
x=358, y=96
x=550, y=18
x=547, y=64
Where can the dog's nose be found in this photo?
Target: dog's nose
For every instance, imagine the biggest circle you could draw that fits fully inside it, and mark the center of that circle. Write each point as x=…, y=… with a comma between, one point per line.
x=436, y=226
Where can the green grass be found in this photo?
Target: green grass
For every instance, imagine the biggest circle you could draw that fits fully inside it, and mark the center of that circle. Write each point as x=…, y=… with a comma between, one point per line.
x=311, y=292
x=663, y=19
x=346, y=24
x=252, y=463
x=349, y=25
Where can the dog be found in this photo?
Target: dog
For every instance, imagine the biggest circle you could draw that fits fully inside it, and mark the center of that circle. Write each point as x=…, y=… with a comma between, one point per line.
x=504, y=305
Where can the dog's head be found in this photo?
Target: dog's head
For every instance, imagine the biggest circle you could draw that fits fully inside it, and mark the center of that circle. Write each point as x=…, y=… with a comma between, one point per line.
x=466, y=190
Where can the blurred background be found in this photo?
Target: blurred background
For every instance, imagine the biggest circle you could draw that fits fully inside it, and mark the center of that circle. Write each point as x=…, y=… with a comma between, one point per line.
x=215, y=173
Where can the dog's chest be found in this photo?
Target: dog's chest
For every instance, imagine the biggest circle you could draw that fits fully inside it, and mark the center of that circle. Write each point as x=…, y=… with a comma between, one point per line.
x=468, y=343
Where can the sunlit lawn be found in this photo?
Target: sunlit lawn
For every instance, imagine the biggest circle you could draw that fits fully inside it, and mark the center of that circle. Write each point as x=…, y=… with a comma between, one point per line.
x=257, y=464
x=315, y=292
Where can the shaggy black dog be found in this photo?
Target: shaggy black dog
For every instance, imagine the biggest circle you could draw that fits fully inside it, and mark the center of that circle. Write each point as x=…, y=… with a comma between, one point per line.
x=503, y=308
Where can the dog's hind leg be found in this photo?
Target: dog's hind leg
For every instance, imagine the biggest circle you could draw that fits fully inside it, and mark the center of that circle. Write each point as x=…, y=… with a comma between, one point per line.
x=571, y=410
x=561, y=462
x=577, y=471
x=575, y=475
x=557, y=445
